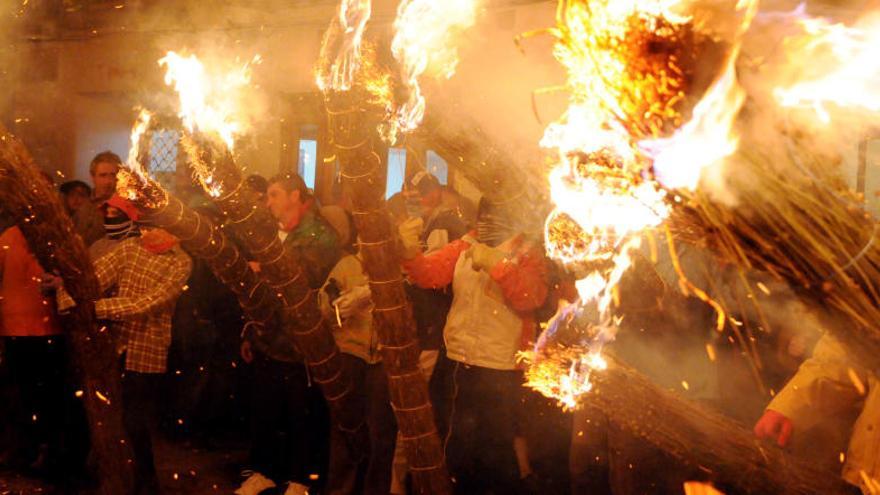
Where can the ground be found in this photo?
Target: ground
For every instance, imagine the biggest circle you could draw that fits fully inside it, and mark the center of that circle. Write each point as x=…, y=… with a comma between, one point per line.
x=183, y=470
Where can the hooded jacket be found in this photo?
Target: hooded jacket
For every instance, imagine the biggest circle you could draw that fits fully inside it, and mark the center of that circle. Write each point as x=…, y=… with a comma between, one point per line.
x=492, y=314
x=827, y=385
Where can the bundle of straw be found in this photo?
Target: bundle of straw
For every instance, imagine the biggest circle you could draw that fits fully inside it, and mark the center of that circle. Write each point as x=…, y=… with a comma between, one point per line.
x=202, y=239
x=353, y=134
x=700, y=437
x=796, y=220
x=30, y=200
x=255, y=229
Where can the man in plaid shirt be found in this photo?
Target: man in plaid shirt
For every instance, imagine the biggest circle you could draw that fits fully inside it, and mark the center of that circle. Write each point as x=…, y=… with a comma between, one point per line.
x=145, y=273
x=148, y=285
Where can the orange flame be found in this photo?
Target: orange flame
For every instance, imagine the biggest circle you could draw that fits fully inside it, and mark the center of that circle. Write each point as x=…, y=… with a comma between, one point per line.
x=209, y=101
x=131, y=178
x=705, y=141
x=840, y=66
x=624, y=97
x=423, y=44
x=137, y=132
x=352, y=16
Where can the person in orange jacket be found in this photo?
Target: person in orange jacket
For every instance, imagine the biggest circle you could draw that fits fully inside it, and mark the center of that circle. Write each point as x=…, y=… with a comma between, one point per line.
x=33, y=352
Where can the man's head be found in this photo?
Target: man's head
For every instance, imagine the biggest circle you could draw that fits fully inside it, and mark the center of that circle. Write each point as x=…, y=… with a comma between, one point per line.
x=120, y=216
x=76, y=193
x=103, y=170
x=493, y=223
x=258, y=184
x=287, y=197
x=428, y=189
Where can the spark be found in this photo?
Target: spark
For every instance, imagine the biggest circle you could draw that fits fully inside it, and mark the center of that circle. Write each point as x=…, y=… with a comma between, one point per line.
x=710, y=351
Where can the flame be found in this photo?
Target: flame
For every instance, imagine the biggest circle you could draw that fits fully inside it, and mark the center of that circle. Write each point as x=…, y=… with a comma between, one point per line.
x=352, y=17
x=128, y=184
x=130, y=180
x=602, y=198
x=605, y=212
x=709, y=136
x=424, y=31
x=375, y=80
x=203, y=171
x=629, y=66
x=543, y=374
x=209, y=101
x=705, y=141
x=840, y=66
x=133, y=181
x=137, y=131
x=603, y=46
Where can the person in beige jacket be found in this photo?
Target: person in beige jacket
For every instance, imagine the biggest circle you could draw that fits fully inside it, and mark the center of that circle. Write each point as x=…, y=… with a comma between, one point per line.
x=346, y=302
x=827, y=385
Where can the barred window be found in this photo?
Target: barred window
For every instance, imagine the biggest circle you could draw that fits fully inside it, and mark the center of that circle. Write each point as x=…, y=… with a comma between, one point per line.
x=164, y=144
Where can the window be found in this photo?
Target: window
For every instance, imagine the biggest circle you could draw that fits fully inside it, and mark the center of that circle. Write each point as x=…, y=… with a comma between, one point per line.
x=164, y=147
x=308, y=155
x=396, y=171
x=163, y=151
x=438, y=167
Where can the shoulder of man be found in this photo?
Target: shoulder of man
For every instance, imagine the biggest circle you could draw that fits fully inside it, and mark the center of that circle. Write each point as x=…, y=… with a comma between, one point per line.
x=127, y=249
x=88, y=211
x=317, y=231
x=6, y=222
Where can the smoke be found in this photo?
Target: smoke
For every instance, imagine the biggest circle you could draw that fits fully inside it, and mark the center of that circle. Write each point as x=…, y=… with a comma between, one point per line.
x=811, y=86
x=496, y=85
x=74, y=77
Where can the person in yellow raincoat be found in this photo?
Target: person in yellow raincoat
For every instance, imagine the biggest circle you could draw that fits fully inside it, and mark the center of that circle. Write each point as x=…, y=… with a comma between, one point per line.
x=827, y=385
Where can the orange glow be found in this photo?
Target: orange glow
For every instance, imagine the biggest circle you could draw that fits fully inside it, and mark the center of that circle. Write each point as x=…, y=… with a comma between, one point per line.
x=837, y=65
x=620, y=145
x=209, y=101
x=352, y=16
x=424, y=44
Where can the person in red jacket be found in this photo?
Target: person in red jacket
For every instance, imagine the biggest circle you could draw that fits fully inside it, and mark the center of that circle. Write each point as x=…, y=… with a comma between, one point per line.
x=498, y=278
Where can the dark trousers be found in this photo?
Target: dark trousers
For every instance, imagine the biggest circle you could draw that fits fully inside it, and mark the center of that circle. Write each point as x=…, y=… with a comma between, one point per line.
x=47, y=422
x=484, y=410
x=371, y=475
x=140, y=393
x=289, y=423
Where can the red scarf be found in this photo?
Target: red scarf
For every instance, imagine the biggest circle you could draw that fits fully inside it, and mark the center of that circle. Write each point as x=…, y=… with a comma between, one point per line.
x=158, y=241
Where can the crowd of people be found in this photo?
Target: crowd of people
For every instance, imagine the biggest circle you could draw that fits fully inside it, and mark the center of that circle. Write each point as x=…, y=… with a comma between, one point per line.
x=479, y=289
